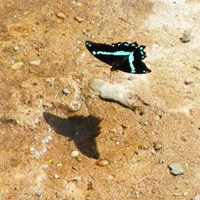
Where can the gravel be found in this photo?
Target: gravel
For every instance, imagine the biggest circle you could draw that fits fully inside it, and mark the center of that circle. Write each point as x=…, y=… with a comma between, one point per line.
x=74, y=106
x=137, y=194
x=157, y=146
x=102, y=162
x=176, y=169
x=75, y=168
x=35, y=62
x=79, y=19
x=74, y=154
x=65, y=91
x=189, y=81
x=56, y=176
x=16, y=48
x=50, y=80
x=61, y=15
x=185, y=37
x=17, y=65
x=197, y=68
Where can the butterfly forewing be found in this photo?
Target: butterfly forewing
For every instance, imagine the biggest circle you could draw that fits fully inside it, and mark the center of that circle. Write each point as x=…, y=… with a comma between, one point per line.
x=124, y=47
x=101, y=51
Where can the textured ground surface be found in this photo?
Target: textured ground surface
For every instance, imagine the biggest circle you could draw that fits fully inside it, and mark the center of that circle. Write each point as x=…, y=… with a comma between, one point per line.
x=40, y=126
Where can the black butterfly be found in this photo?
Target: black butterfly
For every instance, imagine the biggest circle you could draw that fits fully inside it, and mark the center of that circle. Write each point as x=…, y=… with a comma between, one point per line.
x=124, y=56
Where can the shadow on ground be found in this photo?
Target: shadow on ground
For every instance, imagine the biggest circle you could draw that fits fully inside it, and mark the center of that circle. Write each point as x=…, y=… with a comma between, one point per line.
x=82, y=130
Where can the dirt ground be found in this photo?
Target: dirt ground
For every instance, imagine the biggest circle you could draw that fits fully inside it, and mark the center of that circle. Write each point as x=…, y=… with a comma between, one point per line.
x=55, y=131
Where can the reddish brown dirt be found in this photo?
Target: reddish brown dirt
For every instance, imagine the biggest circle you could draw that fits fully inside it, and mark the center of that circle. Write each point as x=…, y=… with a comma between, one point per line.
x=38, y=130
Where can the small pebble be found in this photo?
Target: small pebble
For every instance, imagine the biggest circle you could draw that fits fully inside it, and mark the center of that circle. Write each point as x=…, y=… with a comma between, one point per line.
x=50, y=80
x=78, y=178
x=157, y=146
x=65, y=91
x=35, y=62
x=177, y=194
x=110, y=177
x=90, y=186
x=79, y=19
x=32, y=149
x=176, y=169
x=61, y=15
x=161, y=161
x=197, y=68
x=75, y=168
x=59, y=165
x=185, y=37
x=17, y=65
x=34, y=29
x=56, y=176
x=189, y=81
x=74, y=106
x=78, y=159
x=16, y=48
x=74, y=154
x=146, y=123
x=136, y=152
x=102, y=162
x=137, y=194
x=124, y=126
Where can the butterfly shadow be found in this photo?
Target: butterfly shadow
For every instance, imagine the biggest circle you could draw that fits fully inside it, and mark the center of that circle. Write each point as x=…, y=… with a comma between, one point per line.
x=81, y=129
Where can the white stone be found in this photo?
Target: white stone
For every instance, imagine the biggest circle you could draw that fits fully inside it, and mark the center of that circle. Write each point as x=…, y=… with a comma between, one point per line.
x=74, y=153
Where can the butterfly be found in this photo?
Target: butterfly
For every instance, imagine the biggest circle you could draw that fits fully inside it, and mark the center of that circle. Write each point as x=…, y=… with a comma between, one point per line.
x=123, y=56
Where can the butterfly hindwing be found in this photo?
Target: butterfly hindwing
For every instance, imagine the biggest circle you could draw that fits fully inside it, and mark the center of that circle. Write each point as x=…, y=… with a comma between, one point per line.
x=124, y=56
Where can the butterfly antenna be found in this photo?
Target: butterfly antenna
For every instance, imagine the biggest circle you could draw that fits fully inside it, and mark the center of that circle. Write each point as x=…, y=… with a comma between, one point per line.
x=111, y=73
x=110, y=76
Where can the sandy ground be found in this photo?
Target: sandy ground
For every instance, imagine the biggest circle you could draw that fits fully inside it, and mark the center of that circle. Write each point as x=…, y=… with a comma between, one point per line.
x=41, y=127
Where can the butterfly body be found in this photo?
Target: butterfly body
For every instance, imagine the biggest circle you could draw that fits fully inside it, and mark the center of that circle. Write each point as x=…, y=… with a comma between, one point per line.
x=124, y=56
